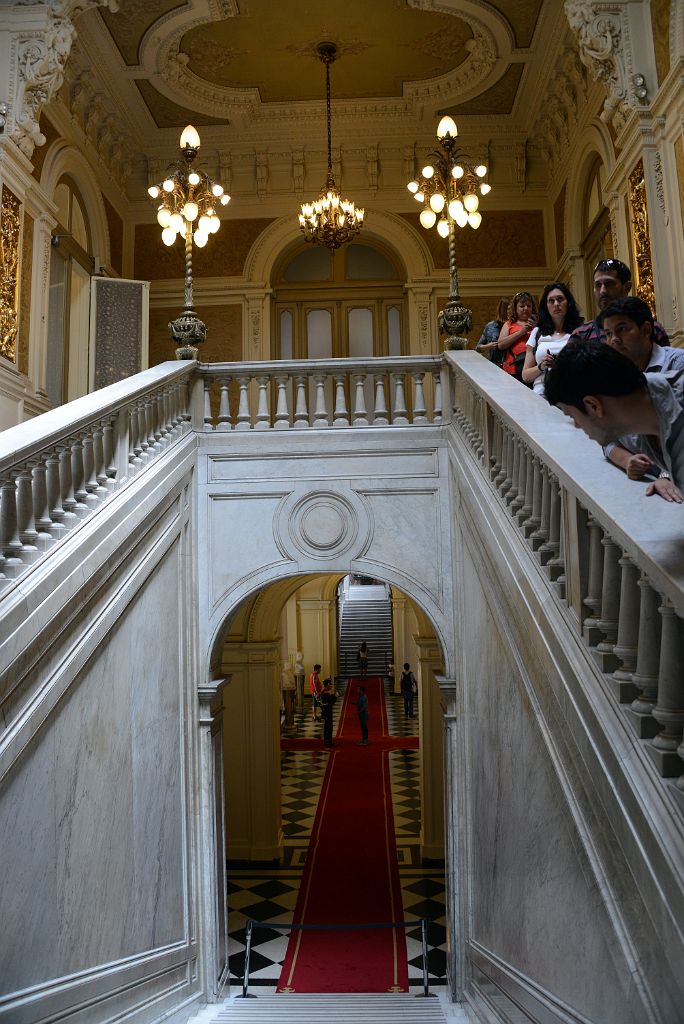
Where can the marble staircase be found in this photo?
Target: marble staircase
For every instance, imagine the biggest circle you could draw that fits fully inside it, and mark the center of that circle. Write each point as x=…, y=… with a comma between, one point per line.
x=366, y=615
x=321, y=1009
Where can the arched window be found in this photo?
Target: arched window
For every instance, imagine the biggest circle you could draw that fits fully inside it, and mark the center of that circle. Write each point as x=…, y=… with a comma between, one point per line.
x=347, y=305
x=71, y=267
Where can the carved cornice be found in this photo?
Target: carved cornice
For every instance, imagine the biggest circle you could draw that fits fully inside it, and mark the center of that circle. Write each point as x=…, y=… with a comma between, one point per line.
x=37, y=62
x=605, y=48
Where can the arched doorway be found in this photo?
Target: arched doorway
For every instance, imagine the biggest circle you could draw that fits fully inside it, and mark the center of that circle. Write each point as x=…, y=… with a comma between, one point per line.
x=274, y=774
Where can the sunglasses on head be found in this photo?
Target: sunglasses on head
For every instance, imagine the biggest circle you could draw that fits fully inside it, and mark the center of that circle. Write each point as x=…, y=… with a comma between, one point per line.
x=612, y=264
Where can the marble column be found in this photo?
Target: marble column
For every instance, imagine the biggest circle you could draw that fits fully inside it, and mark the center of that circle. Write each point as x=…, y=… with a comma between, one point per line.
x=456, y=836
x=431, y=749
x=213, y=908
x=251, y=750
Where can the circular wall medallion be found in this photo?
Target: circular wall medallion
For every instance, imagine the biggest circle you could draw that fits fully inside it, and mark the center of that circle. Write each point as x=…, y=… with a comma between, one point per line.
x=323, y=525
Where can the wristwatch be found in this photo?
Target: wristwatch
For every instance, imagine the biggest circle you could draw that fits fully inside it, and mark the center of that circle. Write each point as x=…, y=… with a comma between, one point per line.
x=664, y=475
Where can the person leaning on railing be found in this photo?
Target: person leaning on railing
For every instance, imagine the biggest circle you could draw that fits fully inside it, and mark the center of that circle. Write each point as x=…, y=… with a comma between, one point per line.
x=607, y=397
x=628, y=325
x=489, y=339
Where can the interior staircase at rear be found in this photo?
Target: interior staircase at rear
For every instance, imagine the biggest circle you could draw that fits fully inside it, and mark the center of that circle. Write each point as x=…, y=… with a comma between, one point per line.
x=365, y=614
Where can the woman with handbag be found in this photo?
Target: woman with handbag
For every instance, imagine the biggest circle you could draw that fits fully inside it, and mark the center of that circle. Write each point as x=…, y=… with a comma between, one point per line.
x=516, y=331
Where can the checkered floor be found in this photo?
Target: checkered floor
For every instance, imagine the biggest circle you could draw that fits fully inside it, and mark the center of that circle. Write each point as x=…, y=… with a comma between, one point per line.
x=269, y=893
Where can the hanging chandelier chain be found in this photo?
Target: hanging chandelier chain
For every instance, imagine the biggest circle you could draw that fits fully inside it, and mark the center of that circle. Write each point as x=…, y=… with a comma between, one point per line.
x=327, y=62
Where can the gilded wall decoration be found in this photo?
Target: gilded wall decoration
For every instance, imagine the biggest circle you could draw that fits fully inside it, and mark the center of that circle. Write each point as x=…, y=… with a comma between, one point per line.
x=10, y=228
x=25, y=294
x=641, y=238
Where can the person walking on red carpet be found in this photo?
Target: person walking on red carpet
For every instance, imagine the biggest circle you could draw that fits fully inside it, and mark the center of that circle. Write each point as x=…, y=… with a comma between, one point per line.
x=362, y=657
x=362, y=711
x=315, y=686
x=409, y=688
x=328, y=699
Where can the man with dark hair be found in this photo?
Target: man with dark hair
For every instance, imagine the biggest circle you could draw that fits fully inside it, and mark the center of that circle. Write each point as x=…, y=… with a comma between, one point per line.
x=606, y=396
x=628, y=325
x=612, y=280
x=328, y=699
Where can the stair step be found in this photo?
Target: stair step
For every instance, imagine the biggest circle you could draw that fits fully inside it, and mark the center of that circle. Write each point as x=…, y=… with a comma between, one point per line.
x=344, y=1008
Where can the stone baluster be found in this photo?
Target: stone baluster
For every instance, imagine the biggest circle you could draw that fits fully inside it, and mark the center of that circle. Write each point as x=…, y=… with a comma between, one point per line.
x=533, y=522
x=479, y=439
x=102, y=491
x=185, y=411
x=437, y=400
x=360, y=414
x=510, y=485
x=532, y=493
x=301, y=419
x=143, y=431
x=497, y=450
x=207, y=416
x=263, y=416
x=610, y=606
x=224, y=406
x=175, y=418
x=320, y=417
x=645, y=676
x=419, y=407
x=521, y=489
x=150, y=410
x=540, y=536
x=669, y=709
x=135, y=450
x=67, y=485
x=10, y=544
x=502, y=480
x=54, y=495
x=590, y=627
x=380, y=417
x=549, y=551
x=157, y=418
x=91, y=486
x=341, y=413
x=399, y=410
x=78, y=477
x=109, y=440
x=26, y=524
x=41, y=509
x=628, y=629
x=244, y=421
x=282, y=416
x=164, y=419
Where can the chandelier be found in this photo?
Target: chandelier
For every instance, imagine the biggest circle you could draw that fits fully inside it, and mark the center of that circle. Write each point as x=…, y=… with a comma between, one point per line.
x=330, y=220
x=189, y=201
x=450, y=187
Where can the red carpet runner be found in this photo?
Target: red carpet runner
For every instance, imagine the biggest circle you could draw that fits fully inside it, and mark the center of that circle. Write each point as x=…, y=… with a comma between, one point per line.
x=351, y=873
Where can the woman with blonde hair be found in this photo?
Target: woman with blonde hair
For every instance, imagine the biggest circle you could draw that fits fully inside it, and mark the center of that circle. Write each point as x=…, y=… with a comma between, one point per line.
x=516, y=331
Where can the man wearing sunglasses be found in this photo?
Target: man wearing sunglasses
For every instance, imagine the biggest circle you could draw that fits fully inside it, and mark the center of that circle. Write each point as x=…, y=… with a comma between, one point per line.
x=612, y=281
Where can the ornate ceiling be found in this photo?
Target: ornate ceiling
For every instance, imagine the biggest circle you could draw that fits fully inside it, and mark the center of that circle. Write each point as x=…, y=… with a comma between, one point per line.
x=247, y=71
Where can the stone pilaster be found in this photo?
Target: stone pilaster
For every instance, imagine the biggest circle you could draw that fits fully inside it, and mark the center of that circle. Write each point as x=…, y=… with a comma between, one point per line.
x=431, y=749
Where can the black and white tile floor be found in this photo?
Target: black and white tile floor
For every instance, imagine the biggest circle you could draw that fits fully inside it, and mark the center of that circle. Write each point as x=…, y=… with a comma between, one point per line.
x=267, y=892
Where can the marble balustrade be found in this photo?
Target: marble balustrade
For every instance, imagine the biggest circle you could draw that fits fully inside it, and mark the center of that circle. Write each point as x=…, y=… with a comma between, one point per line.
x=627, y=607
x=56, y=470
x=283, y=395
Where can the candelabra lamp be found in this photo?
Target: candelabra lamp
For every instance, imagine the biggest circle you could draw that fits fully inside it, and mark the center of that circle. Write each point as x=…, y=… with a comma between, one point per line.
x=330, y=220
x=450, y=187
x=188, y=205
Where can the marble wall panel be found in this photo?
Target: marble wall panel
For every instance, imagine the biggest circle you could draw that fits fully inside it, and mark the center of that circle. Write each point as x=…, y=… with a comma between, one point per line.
x=535, y=902
x=408, y=539
x=241, y=538
x=92, y=816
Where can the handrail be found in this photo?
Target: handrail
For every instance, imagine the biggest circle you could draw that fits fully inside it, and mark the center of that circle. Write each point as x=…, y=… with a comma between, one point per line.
x=57, y=469
x=614, y=558
x=252, y=924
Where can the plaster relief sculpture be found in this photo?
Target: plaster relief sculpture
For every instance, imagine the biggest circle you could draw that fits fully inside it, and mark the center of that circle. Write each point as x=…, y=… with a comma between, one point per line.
x=600, y=37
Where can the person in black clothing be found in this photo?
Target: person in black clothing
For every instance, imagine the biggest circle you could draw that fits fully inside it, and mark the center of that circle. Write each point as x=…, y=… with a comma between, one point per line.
x=409, y=688
x=328, y=699
x=362, y=711
x=363, y=659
